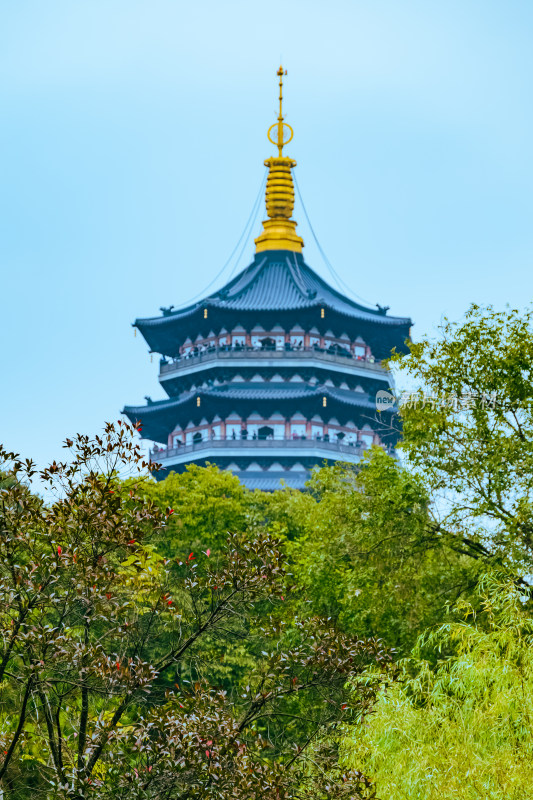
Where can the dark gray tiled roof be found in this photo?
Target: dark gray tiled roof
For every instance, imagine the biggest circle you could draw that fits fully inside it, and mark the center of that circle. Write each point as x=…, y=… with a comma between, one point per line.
x=159, y=418
x=254, y=391
x=270, y=481
x=279, y=280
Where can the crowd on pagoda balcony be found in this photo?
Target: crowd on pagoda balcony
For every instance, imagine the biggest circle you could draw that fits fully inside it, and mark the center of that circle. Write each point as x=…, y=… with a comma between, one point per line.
x=359, y=445
x=276, y=429
x=294, y=344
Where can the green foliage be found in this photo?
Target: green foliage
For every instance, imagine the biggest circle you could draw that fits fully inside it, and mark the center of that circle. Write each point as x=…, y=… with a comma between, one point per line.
x=365, y=552
x=190, y=638
x=462, y=729
x=473, y=441
x=107, y=645
x=207, y=504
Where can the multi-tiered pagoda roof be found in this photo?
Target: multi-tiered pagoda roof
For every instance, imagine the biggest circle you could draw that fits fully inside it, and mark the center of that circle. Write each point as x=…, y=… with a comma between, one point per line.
x=277, y=371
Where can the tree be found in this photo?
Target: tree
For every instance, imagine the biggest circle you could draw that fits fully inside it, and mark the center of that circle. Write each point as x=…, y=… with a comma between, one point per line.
x=461, y=729
x=207, y=502
x=470, y=433
x=107, y=685
x=365, y=552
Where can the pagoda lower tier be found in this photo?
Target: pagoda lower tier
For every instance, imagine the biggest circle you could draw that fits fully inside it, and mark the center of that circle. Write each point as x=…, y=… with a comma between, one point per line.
x=265, y=433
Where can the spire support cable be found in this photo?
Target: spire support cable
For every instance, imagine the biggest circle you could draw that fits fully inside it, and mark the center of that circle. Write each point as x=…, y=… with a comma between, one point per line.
x=249, y=225
x=327, y=262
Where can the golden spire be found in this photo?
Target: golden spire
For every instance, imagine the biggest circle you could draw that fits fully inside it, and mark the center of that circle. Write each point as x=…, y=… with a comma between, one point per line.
x=280, y=141
x=279, y=231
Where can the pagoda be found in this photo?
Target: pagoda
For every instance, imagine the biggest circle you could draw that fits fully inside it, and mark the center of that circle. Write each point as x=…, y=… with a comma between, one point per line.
x=276, y=372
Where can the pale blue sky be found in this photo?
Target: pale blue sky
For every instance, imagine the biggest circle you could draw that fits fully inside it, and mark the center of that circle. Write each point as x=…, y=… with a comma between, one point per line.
x=132, y=143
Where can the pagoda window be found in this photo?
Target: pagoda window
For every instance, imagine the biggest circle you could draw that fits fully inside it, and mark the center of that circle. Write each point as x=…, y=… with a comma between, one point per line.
x=197, y=437
x=297, y=340
x=298, y=430
x=177, y=441
x=238, y=341
x=233, y=430
x=367, y=436
x=265, y=432
x=314, y=341
x=317, y=431
x=278, y=431
x=350, y=438
x=359, y=351
x=216, y=432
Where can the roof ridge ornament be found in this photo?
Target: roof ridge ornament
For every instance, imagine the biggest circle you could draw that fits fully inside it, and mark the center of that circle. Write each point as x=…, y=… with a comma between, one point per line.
x=279, y=230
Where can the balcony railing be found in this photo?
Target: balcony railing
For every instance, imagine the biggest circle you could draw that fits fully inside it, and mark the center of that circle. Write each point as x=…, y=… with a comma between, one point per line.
x=263, y=445
x=243, y=353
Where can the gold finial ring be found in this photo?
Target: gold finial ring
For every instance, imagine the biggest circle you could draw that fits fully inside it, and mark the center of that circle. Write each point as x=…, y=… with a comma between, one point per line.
x=280, y=130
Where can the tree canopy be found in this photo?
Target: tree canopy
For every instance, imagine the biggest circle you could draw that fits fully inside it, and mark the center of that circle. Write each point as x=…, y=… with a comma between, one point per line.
x=107, y=648
x=368, y=637
x=462, y=728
